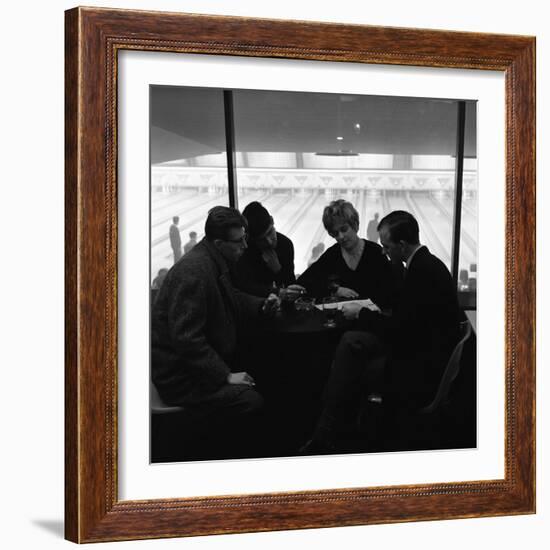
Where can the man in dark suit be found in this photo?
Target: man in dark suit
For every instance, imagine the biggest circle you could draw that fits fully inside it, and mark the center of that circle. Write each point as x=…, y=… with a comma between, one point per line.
x=416, y=340
x=269, y=259
x=175, y=238
x=195, y=324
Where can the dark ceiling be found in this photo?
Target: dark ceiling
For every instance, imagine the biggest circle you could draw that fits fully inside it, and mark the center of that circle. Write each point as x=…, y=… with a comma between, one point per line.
x=188, y=122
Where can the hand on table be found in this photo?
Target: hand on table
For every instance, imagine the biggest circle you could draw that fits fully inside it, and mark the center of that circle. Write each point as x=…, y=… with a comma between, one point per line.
x=344, y=292
x=298, y=289
x=271, y=305
x=240, y=378
x=351, y=311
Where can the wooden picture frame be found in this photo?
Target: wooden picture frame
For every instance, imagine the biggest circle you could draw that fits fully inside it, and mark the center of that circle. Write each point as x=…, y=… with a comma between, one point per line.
x=93, y=511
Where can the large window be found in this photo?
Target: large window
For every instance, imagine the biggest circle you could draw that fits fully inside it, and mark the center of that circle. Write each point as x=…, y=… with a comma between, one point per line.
x=295, y=152
x=188, y=164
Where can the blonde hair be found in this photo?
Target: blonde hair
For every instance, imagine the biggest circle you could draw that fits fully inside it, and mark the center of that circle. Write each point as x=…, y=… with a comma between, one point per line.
x=340, y=210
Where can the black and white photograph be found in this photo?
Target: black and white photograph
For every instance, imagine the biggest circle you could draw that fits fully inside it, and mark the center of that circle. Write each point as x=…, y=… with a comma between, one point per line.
x=313, y=270
x=307, y=416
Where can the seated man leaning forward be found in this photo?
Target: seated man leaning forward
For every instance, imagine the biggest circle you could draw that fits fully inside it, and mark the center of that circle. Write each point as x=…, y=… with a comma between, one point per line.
x=195, y=323
x=268, y=261
x=416, y=340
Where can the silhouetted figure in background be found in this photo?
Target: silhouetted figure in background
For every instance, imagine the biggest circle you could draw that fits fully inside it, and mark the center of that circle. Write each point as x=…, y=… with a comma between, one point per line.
x=372, y=229
x=191, y=243
x=175, y=238
x=316, y=252
x=158, y=280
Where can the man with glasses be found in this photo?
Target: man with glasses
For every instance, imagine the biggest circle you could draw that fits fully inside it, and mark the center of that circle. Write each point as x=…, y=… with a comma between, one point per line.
x=268, y=261
x=196, y=320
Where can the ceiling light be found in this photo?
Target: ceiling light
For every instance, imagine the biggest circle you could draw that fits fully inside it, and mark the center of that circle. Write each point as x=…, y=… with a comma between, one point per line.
x=341, y=153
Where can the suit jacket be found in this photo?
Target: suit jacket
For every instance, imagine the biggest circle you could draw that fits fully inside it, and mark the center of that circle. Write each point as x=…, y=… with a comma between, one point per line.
x=421, y=332
x=252, y=275
x=195, y=324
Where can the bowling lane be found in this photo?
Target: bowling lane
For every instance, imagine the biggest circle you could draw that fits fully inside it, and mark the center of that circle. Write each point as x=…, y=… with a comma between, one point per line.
x=468, y=234
x=308, y=225
x=434, y=229
x=197, y=210
x=190, y=207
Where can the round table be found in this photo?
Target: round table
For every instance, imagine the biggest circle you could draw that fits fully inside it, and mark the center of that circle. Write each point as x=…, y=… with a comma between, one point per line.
x=290, y=356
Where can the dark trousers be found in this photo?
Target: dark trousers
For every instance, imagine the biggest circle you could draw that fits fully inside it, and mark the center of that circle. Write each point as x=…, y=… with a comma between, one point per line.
x=230, y=402
x=225, y=424
x=357, y=370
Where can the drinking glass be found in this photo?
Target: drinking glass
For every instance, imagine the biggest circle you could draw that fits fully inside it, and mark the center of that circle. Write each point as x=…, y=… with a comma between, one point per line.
x=330, y=311
x=304, y=304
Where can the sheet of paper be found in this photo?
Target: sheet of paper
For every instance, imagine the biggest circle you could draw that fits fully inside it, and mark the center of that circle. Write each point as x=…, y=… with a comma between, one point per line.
x=368, y=303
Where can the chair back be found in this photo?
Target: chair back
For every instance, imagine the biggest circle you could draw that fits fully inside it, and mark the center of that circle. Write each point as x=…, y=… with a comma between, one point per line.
x=451, y=370
x=157, y=404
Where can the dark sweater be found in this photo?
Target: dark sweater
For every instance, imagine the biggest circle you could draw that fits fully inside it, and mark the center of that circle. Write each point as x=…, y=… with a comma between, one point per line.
x=373, y=278
x=252, y=275
x=421, y=332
